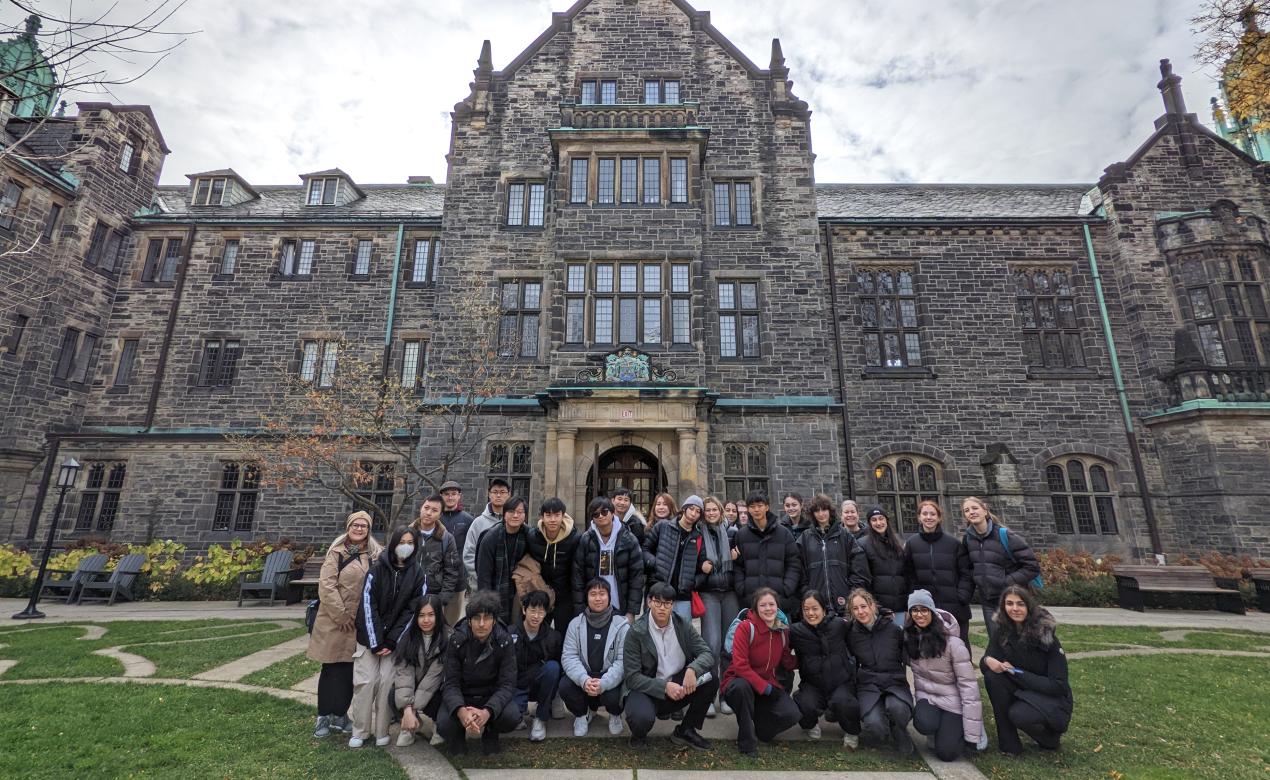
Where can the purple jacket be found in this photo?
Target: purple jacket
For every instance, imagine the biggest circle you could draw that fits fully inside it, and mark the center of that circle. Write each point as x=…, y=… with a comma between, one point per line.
x=949, y=681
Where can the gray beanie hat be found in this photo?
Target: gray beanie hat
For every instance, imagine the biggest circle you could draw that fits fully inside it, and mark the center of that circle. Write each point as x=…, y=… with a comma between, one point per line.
x=693, y=500
x=921, y=598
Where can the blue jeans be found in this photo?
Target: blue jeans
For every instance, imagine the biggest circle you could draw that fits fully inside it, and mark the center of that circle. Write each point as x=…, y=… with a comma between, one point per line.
x=542, y=689
x=684, y=608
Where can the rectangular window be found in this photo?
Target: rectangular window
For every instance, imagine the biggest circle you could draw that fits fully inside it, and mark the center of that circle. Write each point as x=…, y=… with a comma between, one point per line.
x=738, y=319
x=126, y=155
x=652, y=92
x=722, y=205
x=745, y=469
x=229, y=258
x=630, y=179
x=604, y=320
x=608, y=93
x=413, y=355
x=9, y=204
x=652, y=180
x=678, y=180
x=515, y=204
x=647, y=303
x=14, y=340
x=733, y=204
x=421, y=261
x=237, y=498
x=537, y=204
x=578, y=180
x=304, y=266
x=658, y=91
x=1047, y=316
x=127, y=357
x=286, y=261
x=652, y=321
x=209, y=192
x=219, y=367
x=154, y=250
x=521, y=313
x=318, y=362
x=744, y=214
x=605, y=180
x=513, y=462
x=76, y=356
x=670, y=92
x=361, y=263
x=526, y=203
x=50, y=224
x=376, y=483
x=100, y=499
x=587, y=96
x=888, y=313
x=171, y=260
x=322, y=192
x=97, y=245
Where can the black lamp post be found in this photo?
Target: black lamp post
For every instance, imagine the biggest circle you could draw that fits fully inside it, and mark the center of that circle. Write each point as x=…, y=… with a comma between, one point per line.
x=65, y=481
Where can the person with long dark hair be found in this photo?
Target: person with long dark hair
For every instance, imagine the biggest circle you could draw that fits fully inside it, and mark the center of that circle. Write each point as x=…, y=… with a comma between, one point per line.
x=877, y=642
x=417, y=667
x=937, y=562
x=1025, y=672
x=673, y=552
x=826, y=670
x=885, y=551
x=948, y=709
x=498, y=552
x=833, y=562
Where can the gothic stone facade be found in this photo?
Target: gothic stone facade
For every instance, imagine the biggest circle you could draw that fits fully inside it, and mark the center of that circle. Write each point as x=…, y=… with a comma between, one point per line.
x=1090, y=358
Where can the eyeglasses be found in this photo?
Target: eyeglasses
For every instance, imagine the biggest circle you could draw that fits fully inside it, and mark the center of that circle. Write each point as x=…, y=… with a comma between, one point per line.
x=359, y=527
x=661, y=603
x=597, y=514
x=920, y=610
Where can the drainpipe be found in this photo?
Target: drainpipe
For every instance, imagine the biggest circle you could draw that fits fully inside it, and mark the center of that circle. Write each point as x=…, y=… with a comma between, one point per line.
x=842, y=374
x=170, y=329
x=55, y=443
x=392, y=298
x=1135, y=453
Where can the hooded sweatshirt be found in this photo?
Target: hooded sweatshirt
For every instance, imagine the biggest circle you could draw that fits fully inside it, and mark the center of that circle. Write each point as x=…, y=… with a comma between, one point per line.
x=555, y=556
x=475, y=531
x=948, y=681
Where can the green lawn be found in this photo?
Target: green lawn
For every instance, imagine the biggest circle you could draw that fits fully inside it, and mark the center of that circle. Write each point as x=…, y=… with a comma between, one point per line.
x=103, y=730
x=285, y=674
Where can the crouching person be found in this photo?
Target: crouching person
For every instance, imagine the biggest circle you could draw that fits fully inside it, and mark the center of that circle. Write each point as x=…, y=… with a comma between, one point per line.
x=826, y=670
x=479, y=679
x=760, y=650
x=537, y=662
x=949, y=711
x=664, y=661
x=418, y=663
x=877, y=642
x=592, y=661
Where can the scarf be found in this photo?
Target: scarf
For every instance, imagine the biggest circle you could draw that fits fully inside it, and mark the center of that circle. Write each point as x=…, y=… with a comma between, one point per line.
x=717, y=548
x=598, y=619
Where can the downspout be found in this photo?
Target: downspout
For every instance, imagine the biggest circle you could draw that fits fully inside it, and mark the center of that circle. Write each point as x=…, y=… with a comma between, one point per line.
x=55, y=443
x=170, y=329
x=1135, y=453
x=392, y=298
x=842, y=373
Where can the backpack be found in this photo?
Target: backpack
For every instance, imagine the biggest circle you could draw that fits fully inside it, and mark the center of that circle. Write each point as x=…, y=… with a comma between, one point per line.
x=726, y=660
x=1004, y=536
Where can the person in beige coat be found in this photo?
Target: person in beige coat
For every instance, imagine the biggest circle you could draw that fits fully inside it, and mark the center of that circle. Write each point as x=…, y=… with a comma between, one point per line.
x=334, y=637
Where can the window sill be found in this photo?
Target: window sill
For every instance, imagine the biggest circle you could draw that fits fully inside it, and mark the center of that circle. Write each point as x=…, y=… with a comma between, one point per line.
x=1044, y=373
x=78, y=387
x=359, y=277
x=208, y=389
x=532, y=229
x=419, y=285
x=277, y=277
x=117, y=390
x=737, y=228
x=222, y=277
x=156, y=285
x=907, y=372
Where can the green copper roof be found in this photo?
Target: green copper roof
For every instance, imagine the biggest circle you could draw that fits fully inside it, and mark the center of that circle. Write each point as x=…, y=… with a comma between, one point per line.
x=25, y=72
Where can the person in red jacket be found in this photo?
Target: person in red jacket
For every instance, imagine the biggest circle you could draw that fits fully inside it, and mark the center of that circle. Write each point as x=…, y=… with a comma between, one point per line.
x=760, y=647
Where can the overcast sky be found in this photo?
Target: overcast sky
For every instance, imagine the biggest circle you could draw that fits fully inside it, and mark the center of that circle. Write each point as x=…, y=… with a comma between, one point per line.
x=901, y=90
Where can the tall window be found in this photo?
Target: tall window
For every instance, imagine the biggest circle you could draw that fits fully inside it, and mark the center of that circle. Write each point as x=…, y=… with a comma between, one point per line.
x=608, y=93
x=219, y=366
x=661, y=91
x=103, y=247
x=1080, y=488
x=678, y=180
x=1245, y=298
x=512, y=461
x=526, y=203
x=361, y=259
x=745, y=469
x=413, y=363
x=630, y=179
x=9, y=200
x=733, y=204
x=1224, y=299
x=13, y=342
x=99, y=501
x=376, y=483
x=237, y=498
x=631, y=303
x=75, y=357
x=50, y=223
x=422, y=265
x=127, y=358
x=652, y=180
x=587, y=93
x=902, y=482
x=322, y=192
x=1047, y=314
x=229, y=258
x=209, y=192
x=128, y=156
x=888, y=315
x=738, y=319
x=318, y=362
x=578, y=179
x=606, y=180
x=161, y=265
x=518, y=325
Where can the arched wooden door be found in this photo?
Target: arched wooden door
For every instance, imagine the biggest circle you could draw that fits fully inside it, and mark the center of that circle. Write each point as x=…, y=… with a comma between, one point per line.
x=632, y=467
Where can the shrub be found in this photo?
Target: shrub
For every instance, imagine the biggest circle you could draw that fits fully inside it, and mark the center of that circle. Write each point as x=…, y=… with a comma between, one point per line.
x=1075, y=578
x=1235, y=569
x=221, y=565
x=163, y=563
x=16, y=572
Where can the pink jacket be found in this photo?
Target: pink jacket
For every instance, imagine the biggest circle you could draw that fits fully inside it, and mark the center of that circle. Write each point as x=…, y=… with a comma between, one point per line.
x=949, y=681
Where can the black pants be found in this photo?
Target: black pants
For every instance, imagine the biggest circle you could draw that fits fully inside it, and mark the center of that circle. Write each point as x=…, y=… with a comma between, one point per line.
x=962, y=613
x=335, y=688
x=641, y=710
x=943, y=726
x=1013, y=715
x=577, y=702
x=887, y=718
x=840, y=706
x=759, y=717
x=563, y=613
x=503, y=722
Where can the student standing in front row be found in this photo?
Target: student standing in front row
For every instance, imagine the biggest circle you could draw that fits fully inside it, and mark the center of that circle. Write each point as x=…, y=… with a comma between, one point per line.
x=592, y=661
x=609, y=550
x=479, y=681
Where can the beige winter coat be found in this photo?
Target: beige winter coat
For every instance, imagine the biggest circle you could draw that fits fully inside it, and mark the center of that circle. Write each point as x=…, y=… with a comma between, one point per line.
x=334, y=638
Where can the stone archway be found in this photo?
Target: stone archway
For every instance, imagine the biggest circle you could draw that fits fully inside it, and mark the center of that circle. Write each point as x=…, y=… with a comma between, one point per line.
x=634, y=468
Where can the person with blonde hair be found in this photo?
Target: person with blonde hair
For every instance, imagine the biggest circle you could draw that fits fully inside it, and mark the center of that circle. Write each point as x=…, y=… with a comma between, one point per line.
x=999, y=557
x=877, y=642
x=334, y=637
x=715, y=586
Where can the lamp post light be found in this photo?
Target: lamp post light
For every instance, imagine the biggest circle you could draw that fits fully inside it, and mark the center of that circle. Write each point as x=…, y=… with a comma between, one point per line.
x=65, y=481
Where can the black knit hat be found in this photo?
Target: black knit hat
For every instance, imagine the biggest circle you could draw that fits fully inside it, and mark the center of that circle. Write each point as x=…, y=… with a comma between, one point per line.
x=875, y=511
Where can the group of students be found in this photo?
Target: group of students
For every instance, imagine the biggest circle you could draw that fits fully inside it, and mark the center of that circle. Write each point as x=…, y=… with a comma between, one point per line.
x=462, y=623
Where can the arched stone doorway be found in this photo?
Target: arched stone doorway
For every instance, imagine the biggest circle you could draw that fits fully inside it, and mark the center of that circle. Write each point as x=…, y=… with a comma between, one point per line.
x=631, y=466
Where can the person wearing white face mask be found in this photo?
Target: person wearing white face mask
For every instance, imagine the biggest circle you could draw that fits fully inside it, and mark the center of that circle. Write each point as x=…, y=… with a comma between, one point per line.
x=390, y=596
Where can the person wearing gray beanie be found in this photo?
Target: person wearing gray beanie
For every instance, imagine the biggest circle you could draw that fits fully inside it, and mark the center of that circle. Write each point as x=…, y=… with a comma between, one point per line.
x=948, y=708
x=921, y=598
x=673, y=553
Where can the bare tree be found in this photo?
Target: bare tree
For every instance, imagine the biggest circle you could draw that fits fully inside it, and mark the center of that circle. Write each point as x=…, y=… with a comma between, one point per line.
x=1233, y=40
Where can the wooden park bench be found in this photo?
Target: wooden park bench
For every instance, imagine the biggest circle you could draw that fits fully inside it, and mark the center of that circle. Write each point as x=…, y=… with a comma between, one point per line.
x=1261, y=582
x=308, y=578
x=67, y=581
x=271, y=580
x=110, y=586
x=1173, y=587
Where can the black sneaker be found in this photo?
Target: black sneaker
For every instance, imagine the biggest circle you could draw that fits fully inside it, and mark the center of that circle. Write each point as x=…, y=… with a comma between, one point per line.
x=639, y=742
x=491, y=747
x=749, y=751
x=903, y=742
x=683, y=736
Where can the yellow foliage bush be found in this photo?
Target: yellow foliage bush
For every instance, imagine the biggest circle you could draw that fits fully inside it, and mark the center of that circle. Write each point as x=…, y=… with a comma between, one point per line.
x=221, y=565
x=15, y=563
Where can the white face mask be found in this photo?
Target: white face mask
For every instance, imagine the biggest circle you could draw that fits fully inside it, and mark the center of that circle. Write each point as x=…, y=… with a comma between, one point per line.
x=404, y=551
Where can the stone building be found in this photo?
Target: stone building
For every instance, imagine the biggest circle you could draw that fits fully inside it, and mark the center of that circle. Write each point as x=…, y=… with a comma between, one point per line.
x=691, y=310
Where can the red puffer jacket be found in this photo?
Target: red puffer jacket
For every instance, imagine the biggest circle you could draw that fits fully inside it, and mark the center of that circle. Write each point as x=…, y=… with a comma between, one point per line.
x=756, y=659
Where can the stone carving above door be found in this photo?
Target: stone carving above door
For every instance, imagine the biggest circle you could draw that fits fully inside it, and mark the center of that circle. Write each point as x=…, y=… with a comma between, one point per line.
x=627, y=366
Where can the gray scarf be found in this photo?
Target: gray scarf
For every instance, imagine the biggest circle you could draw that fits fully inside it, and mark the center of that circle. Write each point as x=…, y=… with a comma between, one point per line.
x=718, y=551
x=598, y=619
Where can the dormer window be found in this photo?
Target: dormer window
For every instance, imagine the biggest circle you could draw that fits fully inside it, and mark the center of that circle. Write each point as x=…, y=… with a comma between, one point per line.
x=322, y=191
x=209, y=192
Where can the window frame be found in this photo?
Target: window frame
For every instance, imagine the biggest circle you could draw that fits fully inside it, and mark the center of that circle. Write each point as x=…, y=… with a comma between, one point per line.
x=206, y=195
x=125, y=366
x=12, y=343
x=227, y=265
x=101, y=498
x=598, y=303
x=871, y=295
x=1098, y=503
x=520, y=212
x=413, y=380
x=9, y=203
x=729, y=188
x=739, y=314
x=378, y=471
x=895, y=499
x=515, y=477
x=520, y=316
x=321, y=371
x=660, y=83
x=51, y=221
x=652, y=175
x=321, y=186
x=218, y=363
x=291, y=258
x=740, y=482
x=236, y=492
x=411, y=276
x=1031, y=301
x=76, y=357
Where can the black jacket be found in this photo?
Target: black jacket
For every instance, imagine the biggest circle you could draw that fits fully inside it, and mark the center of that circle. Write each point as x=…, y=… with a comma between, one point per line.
x=879, y=655
x=833, y=563
x=457, y=523
x=824, y=661
x=769, y=558
x=496, y=559
x=556, y=561
x=628, y=569
x=717, y=581
x=389, y=597
x=478, y=674
x=1043, y=683
x=938, y=563
x=992, y=568
x=667, y=548
x=886, y=567
x=442, y=560
x=531, y=654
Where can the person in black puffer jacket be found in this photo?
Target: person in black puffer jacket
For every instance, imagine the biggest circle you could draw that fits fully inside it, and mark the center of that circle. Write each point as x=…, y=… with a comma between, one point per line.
x=877, y=642
x=936, y=562
x=538, y=647
x=498, y=552
x=885, y=552
x=768, y=556
x=552, y=542
x=673, y=553
x=826, y=670
x=479, y=679
x=992, y=564
x=609, y=550
x=389, y=600
x=833, y=563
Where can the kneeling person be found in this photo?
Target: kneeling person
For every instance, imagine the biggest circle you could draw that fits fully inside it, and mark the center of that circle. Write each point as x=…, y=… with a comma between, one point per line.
x=537, y=662
x=752, y=685
x=479, y=681
x=664, y=660
x=592, y=661
x=417, y=664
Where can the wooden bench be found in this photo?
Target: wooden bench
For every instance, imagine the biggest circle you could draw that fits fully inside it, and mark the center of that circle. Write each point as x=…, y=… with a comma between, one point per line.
x=1173, y=587
x=308, y=578
x=1261, y=582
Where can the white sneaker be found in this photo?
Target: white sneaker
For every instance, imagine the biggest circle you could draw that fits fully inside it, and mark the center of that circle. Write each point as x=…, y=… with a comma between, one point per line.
x=615, y=724
x=813, y=732
x=437, y=740
x=382, y=741
x=356, y=742
x=983, y=741
x=521, y=725
x=405, y=738
x=851, y=741
x=724, y=709
x=580, y=725
x=710, y=713
x=538, y=732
